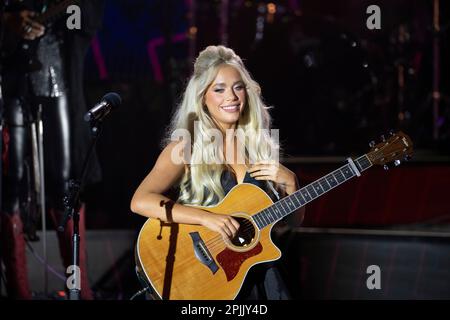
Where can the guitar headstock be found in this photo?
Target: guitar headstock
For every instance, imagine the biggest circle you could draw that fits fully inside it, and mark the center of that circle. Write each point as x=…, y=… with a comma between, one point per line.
x=398, y=146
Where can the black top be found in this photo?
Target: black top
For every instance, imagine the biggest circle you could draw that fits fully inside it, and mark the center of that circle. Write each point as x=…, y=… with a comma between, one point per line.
x=264, y=281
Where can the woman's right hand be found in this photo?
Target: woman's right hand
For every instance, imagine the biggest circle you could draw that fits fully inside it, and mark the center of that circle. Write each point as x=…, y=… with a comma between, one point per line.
x=223, y=224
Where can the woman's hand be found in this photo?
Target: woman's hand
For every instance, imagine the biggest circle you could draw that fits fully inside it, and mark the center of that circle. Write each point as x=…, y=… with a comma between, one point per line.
x=223, y=224
x=277, y=173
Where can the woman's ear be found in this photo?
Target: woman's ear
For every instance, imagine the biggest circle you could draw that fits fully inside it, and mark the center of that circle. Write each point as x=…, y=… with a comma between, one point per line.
x=204, y=107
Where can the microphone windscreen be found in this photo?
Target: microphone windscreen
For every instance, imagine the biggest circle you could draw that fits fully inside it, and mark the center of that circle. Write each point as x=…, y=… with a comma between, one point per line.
x=113, y=99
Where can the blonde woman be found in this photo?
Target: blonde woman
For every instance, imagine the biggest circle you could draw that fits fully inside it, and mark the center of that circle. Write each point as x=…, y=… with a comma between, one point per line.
x=222, y=138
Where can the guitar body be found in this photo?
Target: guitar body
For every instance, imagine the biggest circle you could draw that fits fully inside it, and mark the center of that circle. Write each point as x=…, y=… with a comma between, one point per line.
x=192, y=262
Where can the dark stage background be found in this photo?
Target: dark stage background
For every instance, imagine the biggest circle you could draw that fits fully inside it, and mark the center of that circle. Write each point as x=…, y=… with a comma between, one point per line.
x=335, y=85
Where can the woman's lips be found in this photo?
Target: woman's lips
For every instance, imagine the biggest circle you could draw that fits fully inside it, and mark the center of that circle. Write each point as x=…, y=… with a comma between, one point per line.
x=230, y=108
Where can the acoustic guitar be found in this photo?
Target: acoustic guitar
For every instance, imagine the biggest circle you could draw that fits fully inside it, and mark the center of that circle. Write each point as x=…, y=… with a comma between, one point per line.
x=181, y=261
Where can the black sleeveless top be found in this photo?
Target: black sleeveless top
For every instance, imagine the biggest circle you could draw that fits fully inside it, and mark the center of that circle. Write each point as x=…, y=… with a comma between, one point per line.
x=228, y=181
x=264, y=281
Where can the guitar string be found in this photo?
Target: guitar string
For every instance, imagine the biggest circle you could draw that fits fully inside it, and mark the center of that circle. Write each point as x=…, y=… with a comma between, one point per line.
x=250, y=225
x=216, y=244
x=247, y=226
x=221, y=242
x=218, y=239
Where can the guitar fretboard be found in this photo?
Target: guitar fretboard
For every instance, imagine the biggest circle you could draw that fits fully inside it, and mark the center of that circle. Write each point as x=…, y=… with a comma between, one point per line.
x=312, y=191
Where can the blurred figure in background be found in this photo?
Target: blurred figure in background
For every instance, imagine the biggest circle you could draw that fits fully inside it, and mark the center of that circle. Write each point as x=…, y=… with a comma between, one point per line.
x=49, y=75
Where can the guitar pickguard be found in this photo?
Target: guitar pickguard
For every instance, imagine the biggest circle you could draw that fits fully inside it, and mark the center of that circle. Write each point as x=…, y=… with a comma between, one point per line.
x=231, y=261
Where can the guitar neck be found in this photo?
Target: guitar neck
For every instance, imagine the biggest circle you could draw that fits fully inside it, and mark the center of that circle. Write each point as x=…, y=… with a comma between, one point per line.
x=54, y=12
x=312, y=191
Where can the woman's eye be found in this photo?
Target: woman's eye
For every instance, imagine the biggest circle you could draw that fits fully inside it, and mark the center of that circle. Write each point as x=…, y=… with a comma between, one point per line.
x=218, y=90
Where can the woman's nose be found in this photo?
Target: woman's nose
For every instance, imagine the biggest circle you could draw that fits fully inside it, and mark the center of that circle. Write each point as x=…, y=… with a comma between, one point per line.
x=231, y=96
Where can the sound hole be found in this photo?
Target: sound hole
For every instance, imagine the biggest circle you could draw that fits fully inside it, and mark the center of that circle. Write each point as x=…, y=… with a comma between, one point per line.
x=245, y=234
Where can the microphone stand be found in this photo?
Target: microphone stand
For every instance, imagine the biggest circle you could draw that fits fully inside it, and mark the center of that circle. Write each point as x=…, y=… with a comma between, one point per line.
x=72, y=203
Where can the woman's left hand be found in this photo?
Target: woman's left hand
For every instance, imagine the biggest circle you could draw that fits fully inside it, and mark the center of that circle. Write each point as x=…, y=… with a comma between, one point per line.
x=277, y=173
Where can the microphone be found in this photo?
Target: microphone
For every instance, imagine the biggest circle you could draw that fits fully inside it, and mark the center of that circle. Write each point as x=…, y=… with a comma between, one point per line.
x=109, y=102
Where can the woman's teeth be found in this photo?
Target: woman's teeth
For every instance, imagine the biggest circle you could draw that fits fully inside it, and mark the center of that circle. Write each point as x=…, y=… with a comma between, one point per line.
x=231, y=108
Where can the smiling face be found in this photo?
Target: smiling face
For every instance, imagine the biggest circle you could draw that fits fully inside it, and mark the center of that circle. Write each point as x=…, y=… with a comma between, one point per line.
x=225, y=98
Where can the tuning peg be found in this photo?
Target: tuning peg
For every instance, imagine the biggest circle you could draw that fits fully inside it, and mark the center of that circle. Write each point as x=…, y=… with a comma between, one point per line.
x=372, y=144
x=407, y=158
x=391, y=132
x=385, y=167
x=397, y=163
x=383, y=138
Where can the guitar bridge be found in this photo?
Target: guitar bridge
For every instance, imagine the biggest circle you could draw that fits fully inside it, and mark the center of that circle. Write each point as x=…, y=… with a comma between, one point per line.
x=202, y=253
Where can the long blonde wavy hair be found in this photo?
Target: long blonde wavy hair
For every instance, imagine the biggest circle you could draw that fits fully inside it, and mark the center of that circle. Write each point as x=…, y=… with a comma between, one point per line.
x=201, y=182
